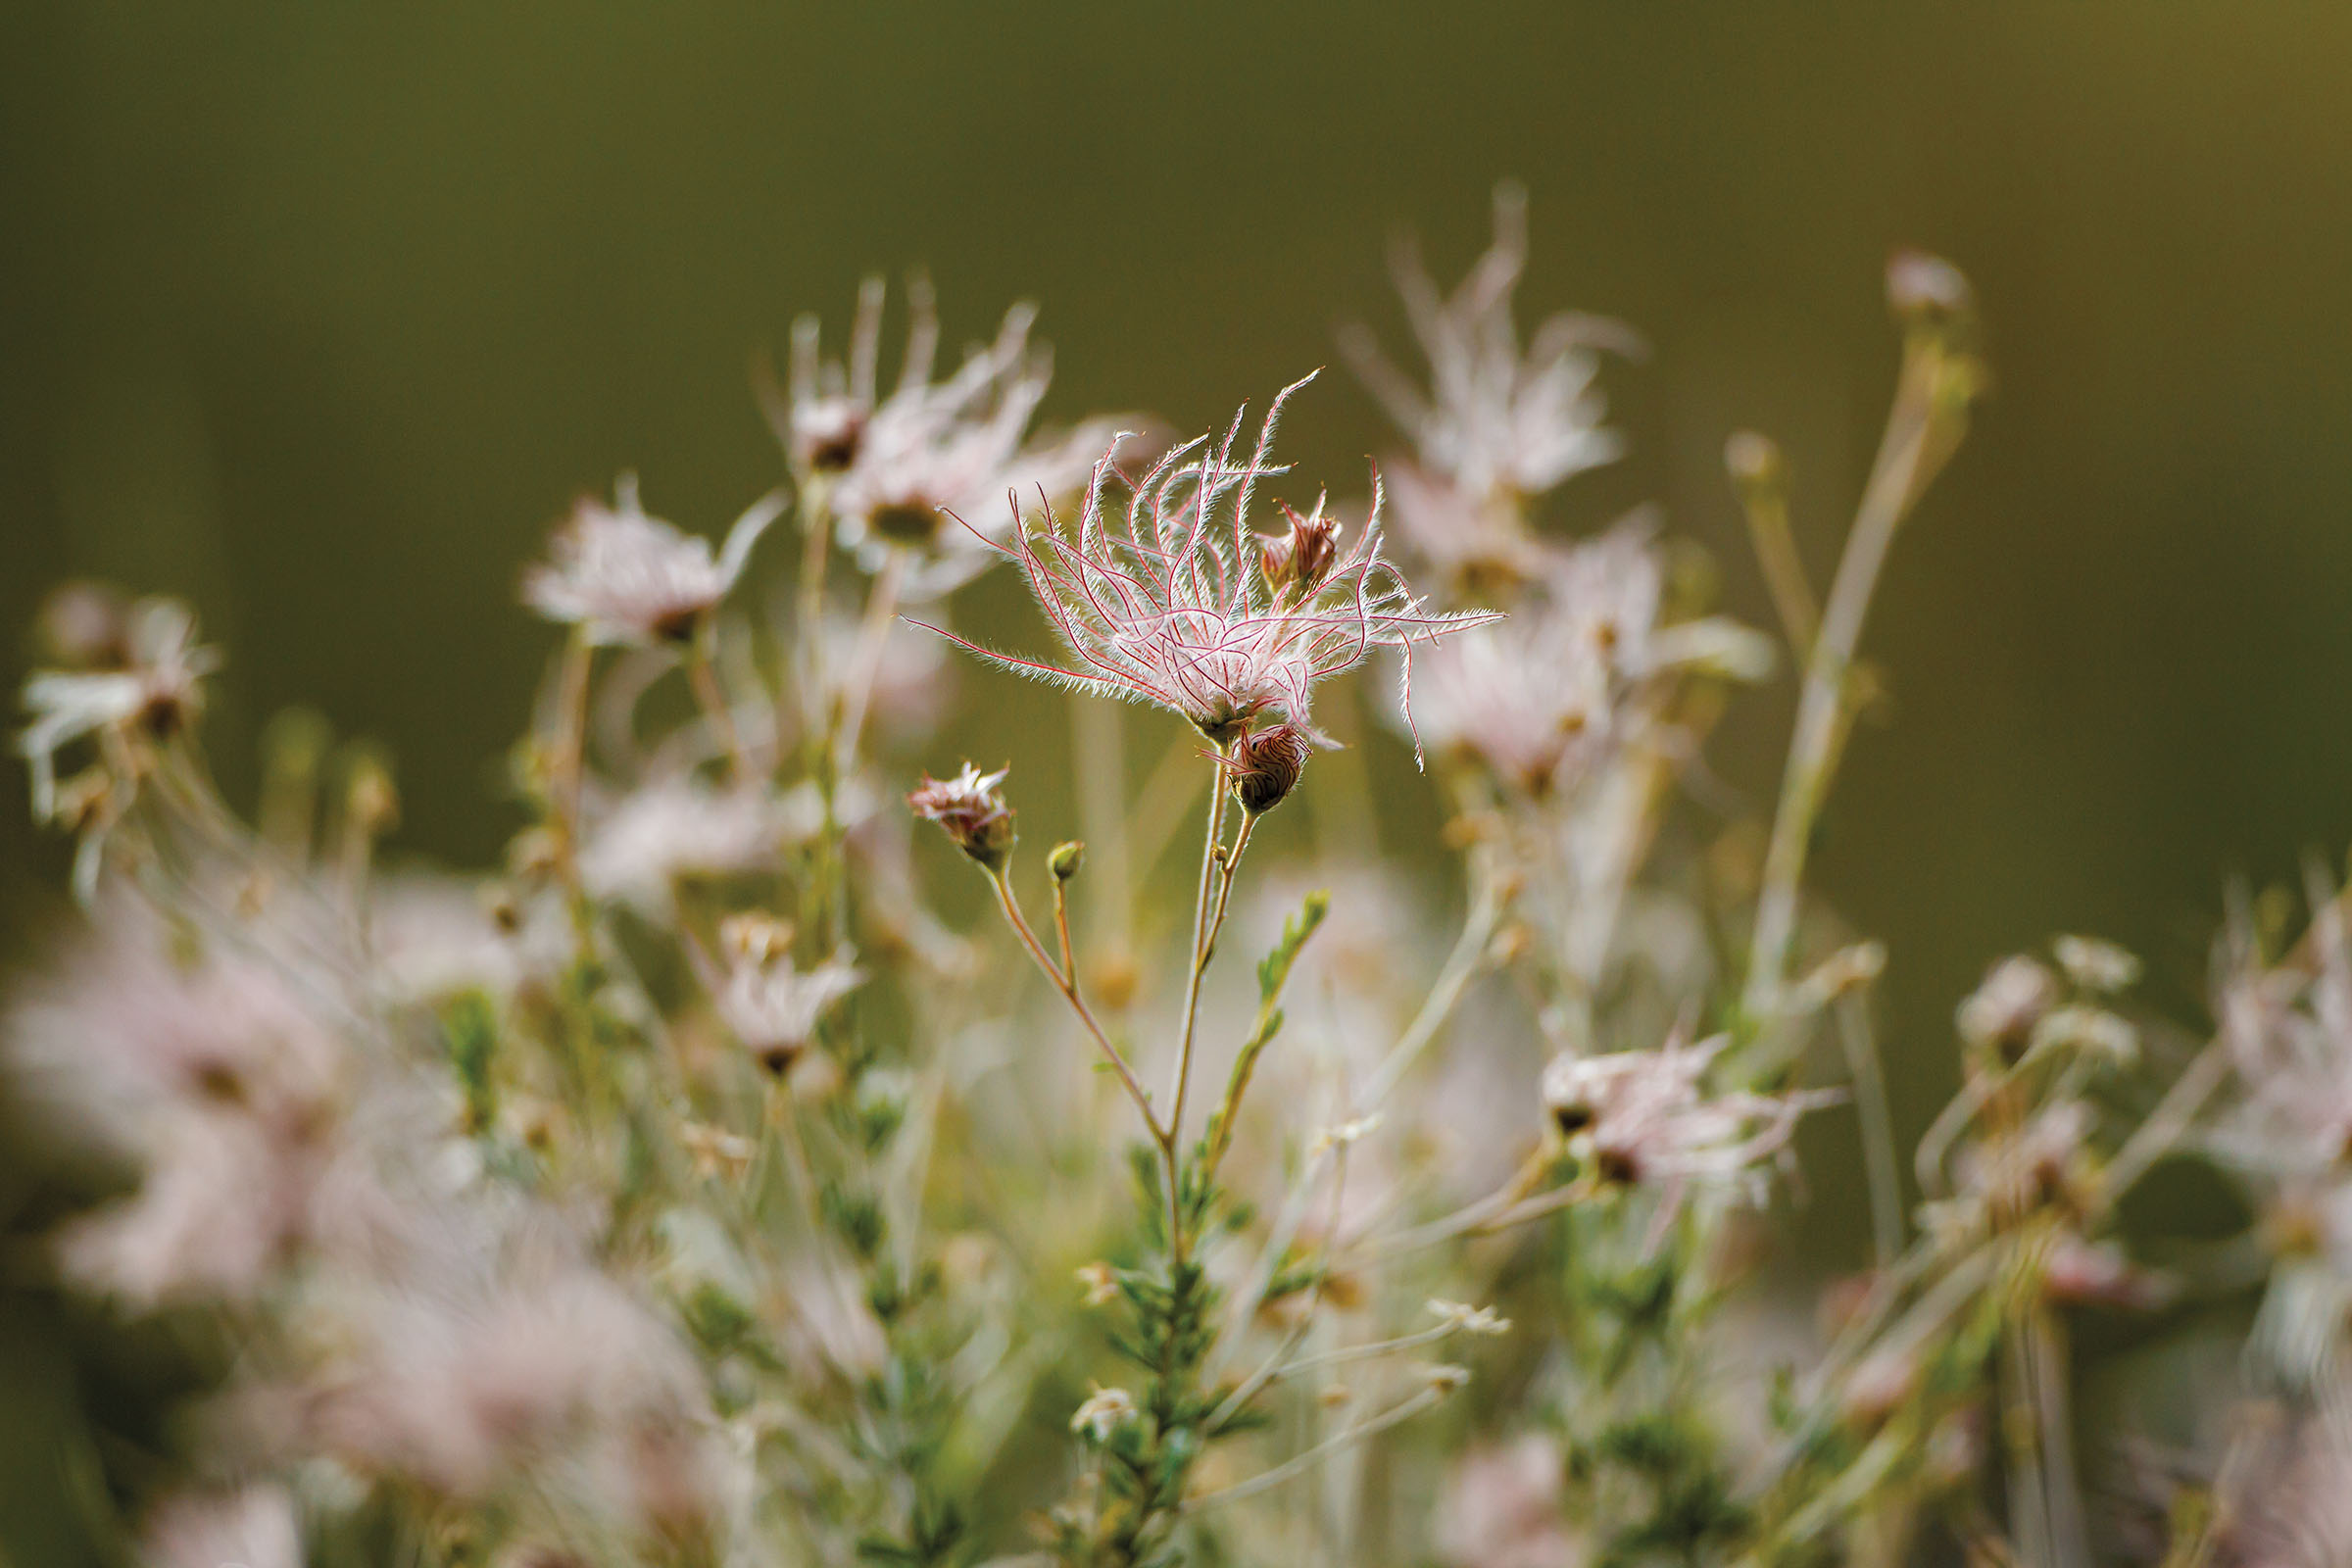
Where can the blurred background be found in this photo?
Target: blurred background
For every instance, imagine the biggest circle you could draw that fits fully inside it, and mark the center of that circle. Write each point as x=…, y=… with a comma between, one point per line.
x=320, y=315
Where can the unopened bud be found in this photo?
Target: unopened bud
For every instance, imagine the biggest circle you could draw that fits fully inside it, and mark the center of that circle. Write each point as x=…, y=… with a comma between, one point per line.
x=1266, y=766
x=370, y=799
x=1753, y=461
x=1924, y=288
x=1066, y=859
x=1299, y=563
x=755, y=937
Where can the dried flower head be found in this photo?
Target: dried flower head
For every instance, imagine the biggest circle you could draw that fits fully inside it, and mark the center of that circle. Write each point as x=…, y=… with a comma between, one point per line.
x=155, y=696
x=898, y=471
x=625, y=577
x=972, y=809
x=1163, y=600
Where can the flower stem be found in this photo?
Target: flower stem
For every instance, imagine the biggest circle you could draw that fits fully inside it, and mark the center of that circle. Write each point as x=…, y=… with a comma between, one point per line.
x=701, y=674
x=1065, y=981
x=1203, y=940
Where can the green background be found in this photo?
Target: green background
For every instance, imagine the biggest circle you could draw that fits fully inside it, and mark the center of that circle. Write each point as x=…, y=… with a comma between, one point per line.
x=320, y=313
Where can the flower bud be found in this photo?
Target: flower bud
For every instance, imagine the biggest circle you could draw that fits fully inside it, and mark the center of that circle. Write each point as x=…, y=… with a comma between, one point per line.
x=1753, y=461
x=1924, y=287
x=1066, y=859
x=1299, y=564
x=1266, y=766
x=971, y=811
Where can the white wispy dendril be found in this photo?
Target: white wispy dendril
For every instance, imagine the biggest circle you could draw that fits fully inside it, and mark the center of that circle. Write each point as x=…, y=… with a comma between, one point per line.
x=1161, y=596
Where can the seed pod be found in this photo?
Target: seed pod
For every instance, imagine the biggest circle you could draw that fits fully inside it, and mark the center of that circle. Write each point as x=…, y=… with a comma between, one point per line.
x=1266, y=766
x=1065, y=859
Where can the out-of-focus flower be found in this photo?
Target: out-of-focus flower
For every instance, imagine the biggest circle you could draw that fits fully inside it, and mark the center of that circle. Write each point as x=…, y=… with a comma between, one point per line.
x=2096, y=965
x=625, y=577
x=673, y=827
x=768, y=1002
x=2084, y=1272
x=2001, y=1013
x=462, y=1385
x=1168, y=603
x=155, y=696
x=1503, y=1507
x=250, y=1528
x=1494, y=420
x=899, y=471
x=1649, y=1118
x=84, y=624
x=970, y=808
x=1544, y=694
x=1495, y=425
x=1103, y=1412
x=2288, y=1031
x=217, y=1074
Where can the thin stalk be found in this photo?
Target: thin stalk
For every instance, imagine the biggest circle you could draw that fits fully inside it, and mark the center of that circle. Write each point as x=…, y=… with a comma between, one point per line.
x=1920, y=432
x=1461, y=966
x=704, y=678
x=1211, y=841
x=569, y=764
x=1395, y=1415
x=1065, y=981
x=1878, y=1126
x=865, y=665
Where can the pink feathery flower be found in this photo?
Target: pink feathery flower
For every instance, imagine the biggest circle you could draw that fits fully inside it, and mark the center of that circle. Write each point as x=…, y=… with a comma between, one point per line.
x=1168, y=599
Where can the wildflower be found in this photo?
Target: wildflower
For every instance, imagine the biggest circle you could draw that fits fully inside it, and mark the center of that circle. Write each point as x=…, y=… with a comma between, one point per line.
x=155, y=696
x=461, y=1388
x=972, y=811
x=1495, y=426
x=624, y=578
x=2096, y=965
x=1101, y=1281
x=1444, y=1377
x=715, y=1152
x=639, y=847
x=1466, y=1319
x=216, y=1074
x=2003, y=1011
x=83, y=625
x=1505, y=1507
x=2098, y=1033
x=1103, y=1412
x=897, y=472
x=1542, y=698
x=773, y=1006
x=1163, y=604
x=1647, y=1118
x=253, y=1527
x=2080, y=1272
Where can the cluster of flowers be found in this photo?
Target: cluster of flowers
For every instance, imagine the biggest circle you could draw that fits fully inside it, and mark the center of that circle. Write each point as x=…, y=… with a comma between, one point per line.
x=695, y=1188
